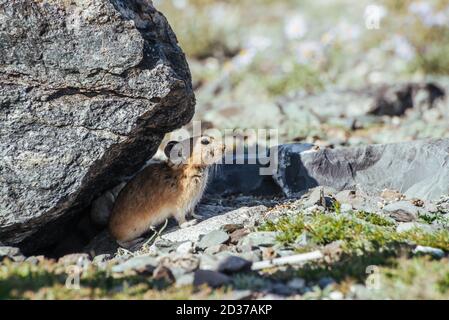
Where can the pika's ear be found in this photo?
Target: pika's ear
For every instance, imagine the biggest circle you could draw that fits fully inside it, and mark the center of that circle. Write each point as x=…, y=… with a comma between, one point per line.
x=175, y=154
x=169, y=147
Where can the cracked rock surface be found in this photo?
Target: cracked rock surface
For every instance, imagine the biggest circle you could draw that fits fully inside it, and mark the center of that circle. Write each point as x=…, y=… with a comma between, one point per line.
x=87, y=91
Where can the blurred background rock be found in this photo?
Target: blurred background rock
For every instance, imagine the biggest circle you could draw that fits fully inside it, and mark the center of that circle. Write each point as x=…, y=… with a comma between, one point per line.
x=317, y=69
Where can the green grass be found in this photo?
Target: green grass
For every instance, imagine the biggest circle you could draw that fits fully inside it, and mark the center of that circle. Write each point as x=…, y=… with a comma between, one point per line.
x=359, y=231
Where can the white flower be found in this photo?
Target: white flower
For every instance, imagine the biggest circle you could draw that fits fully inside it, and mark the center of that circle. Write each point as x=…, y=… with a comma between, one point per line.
x=402, y=48
x=180, y=4
x=426, y=13
x=420, y=8
x=348, y=32
x=295, y=27
x=309, y=51
x=244, y=58
x=259, y=43
x=373, y=16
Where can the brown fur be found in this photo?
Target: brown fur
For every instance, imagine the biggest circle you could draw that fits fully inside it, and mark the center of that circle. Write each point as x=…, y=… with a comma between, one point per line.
x=164, y=190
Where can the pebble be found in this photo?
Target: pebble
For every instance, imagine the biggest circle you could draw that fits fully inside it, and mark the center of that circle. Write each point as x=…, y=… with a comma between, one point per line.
x=429, y=250
x=230, y=228
x=297, y=283
x=326, y=281
x=79, y=259
x=185, y=247
x=213, y=238
x=163, y=273
x=35, y=260
x=138, y=264
x=211, y=278
x=402, y=211
x=336, y=295
x=238, y=234
x=407, y=226
x=7, y=251
x=216, y=249
x=233, y=264
x=185, y=280
x=259, y=239
x=322, y=196
x=102, y=258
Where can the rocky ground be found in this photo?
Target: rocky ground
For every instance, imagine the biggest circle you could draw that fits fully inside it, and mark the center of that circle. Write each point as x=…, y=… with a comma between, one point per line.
x=326, y=245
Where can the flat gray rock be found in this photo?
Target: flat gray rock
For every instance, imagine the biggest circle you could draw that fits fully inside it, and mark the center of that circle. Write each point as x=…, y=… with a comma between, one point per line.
x=213, y=238
x=259, y=239
x=138, y=264
x=87, y=91
x=193, y=233
x=402, y=211
x=6, y=251
x=416, y=169
x=233, y=264
x=211, y=278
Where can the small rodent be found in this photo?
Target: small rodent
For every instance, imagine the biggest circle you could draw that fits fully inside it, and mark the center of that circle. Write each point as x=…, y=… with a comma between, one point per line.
x=164, y=190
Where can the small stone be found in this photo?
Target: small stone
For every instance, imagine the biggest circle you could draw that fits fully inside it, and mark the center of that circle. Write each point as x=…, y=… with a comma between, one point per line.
x=240, y=295
x=407, y=226
x=302, y=240
x=211, y=278
x=185, y=248
x=417, y=202
x=213, y=238
x=281, y=289
x=326, y=281
x=164, y=274
x=346, y=207
x=253, y=256
x=7, y=251
x=18, y=258
x=230, y=228
x=79, y=259
x=392, y=195
x=208, y=262
x=297, y=283
x=259, y=239
x=430, y=207
x=185, y=280
x=35, y=260
x=285, y=252
x=187, y=262
x=234, y=264
x=238, y=234
x=402, y=211
x=102, y=258
x=346, y=196
x=429, y=250
x=164, y=246
x=336, y=295
x=216, y=249
x=138, y=264
x=322, y=196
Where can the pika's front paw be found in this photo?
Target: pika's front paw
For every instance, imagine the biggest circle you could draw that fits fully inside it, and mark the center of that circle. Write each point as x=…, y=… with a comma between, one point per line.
x=188, y=223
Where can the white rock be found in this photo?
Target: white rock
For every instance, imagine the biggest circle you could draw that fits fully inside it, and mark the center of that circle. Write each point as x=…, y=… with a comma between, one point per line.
x=186, y=247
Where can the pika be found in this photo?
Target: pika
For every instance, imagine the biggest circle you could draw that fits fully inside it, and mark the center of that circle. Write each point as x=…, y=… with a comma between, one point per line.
x=164, y=190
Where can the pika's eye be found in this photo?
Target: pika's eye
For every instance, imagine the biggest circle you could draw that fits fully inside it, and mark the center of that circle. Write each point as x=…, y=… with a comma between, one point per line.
x=205, y=141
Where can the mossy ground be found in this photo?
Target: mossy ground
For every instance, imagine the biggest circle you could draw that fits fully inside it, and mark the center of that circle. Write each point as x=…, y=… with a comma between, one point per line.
x=369, y=243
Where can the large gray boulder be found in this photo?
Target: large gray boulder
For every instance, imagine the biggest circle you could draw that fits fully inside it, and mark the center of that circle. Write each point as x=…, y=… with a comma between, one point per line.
x=87, y=91
x=417, y=169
